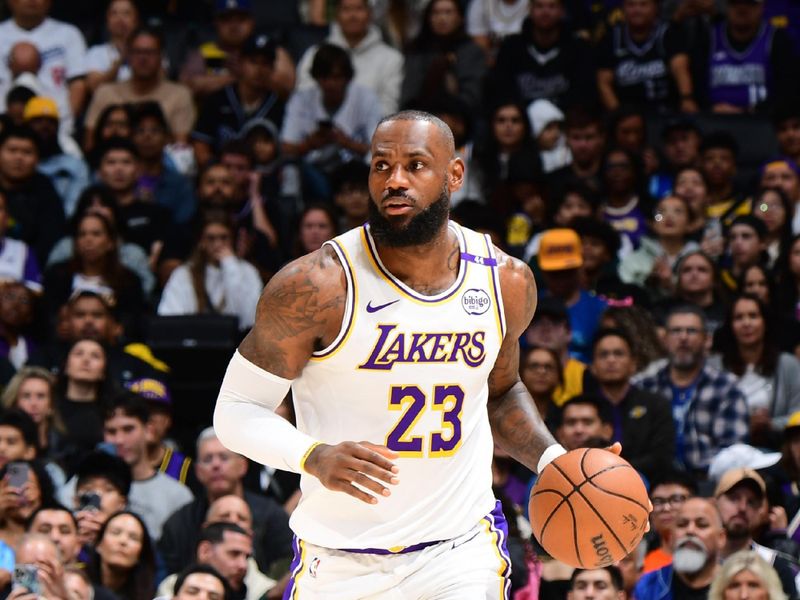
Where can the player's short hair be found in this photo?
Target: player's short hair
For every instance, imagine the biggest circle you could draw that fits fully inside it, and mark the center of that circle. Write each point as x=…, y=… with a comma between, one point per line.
x=204, y=569
x=419, y=115
x=613, y=572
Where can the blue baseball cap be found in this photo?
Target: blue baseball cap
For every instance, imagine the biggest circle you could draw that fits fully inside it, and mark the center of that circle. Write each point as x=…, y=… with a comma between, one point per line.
x=223, y=6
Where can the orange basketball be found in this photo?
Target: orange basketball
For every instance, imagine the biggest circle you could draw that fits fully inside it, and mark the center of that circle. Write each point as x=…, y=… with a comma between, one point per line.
x=589, y=508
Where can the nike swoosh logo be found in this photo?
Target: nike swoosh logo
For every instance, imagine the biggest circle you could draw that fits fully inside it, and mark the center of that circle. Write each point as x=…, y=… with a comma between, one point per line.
x=374, y=309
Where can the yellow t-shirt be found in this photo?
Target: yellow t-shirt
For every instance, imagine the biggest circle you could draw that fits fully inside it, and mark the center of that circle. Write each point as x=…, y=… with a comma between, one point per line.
x=573, y=382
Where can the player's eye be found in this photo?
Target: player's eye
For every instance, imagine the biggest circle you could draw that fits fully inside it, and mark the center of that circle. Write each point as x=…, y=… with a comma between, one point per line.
x=380, y=166
x=417, y=165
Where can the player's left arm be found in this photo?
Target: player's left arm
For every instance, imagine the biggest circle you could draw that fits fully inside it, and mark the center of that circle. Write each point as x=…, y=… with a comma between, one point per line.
x=517, y=427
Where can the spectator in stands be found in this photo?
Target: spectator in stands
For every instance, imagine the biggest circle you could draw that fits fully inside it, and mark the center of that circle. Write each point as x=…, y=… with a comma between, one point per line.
x=746, y=245
x=769, y=378
x=89, y=316
x=786, y=123
x=114, y=121
x=145, y=223
x=84, y=387
x=746, y=572
x=551, y=329
x=698, y=539
x=547, y=124
x=560, y=259
x=161, y=452
x=226, y=112
x=331, y=122
x=773, y=206
x=33, y=204
x=61, y=47
x=200, y=581
x=19, y=436
x=317, y=225
x=40, y=551
x=788, y=279
x=642, y=420
x=489, y=21
x=147, y=82
x=668, y=491
x=690, y=184
x=227, y=548
x=216, y=188
x=32, y=391
x=718, y=155
x=102, y=485
x=60, y=526
x=95, y=266
x=600, y=244
x=214, y=280
x=212, y=66
x=17, y=310
x=544, y=61
x=627, y=129
x=19, y=503
x=153, y=495
x=708, y=409
x=602, y=583
x=747, y=62
x=643, y=61
x=159, y=178
x=17, y=262
x=739, y=495
x=221, y=472
x=638, y=323
x=377, y=66
x=67, y=172
x=756, y=281
x=680, y=147
x=443, y=59
x=652, y=265
x=541, y=372
x=624, y=207
x=351, y=195
x=124, y=558
x=586, y=140
x=107, y=63
x=581, y=419
x=785, y=175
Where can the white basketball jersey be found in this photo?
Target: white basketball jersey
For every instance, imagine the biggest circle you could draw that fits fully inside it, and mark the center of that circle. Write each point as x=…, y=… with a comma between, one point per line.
x=409, y=372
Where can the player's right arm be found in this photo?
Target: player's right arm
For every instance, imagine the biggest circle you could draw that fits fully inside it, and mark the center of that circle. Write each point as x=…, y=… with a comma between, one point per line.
x=300, y=311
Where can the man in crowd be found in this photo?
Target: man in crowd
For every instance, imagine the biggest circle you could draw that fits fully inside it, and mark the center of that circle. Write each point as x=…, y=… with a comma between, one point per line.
x=709, y=410
x=668, y=492
x=200, y=582
x=642, y=420
x=596, y=584
x=586, y=139
x=581, y=419
x=60, y=525
x=221, y=472
x=228, y=548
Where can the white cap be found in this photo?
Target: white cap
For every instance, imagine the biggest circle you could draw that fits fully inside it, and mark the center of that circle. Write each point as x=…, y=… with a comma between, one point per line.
x=741, y=456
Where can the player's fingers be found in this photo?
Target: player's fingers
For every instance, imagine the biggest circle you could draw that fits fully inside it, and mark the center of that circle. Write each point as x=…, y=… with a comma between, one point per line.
x=370, y=484
x=377, y=472
x=350, y=489
x=615, y=448
x=379, y=455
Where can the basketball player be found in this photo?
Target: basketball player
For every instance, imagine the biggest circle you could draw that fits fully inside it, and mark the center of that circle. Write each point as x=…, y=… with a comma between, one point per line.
x=398, y=340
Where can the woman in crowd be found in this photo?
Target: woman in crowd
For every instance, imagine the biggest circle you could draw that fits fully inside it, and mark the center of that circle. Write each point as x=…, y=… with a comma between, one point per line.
x=692, y=187
x=83, y=389
x=115, y=121
x=443, y=58
x=757, y=281
x=19, y=502
x=769, y=378
x=772, y=206
x=317, y=226
x=787, y=275
x=746, y=575
x=98, y=199
x=124, y=559
x=541, y=372
x=95, y=266
x=32, y=390
x=214, y=280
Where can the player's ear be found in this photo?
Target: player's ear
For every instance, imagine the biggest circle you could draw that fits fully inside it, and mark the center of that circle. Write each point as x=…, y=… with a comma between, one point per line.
x=455, y=174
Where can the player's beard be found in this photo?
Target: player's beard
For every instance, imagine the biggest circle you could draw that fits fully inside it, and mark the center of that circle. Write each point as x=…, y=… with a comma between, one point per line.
x=420, y=229
x=690, y=555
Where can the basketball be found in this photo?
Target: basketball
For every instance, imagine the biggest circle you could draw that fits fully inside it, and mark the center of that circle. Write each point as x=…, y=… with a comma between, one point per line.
x=589, y=508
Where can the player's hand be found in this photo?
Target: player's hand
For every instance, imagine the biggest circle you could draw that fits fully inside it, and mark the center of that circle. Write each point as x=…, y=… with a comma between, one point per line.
x=341, y=466
x=615, y=448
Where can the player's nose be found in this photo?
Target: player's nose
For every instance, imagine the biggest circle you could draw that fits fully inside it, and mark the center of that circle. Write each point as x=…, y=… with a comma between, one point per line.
x=397, y=178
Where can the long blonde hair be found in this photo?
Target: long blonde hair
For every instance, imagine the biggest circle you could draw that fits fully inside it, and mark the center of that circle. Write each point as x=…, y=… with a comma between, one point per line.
x=11, y=393
x=746, y=560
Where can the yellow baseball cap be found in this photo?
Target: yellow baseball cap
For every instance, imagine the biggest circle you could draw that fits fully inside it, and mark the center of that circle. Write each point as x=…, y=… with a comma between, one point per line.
x=39, y=106
x=794, y=421
x=560, y=249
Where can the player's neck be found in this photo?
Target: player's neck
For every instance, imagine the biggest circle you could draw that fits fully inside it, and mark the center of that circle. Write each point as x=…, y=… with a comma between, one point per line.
x=427, y=268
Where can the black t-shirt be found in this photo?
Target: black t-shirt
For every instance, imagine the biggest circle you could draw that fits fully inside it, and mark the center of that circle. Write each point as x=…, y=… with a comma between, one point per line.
x=684, y=592
x=642, y=74
x=223, y=116
x=144, y=223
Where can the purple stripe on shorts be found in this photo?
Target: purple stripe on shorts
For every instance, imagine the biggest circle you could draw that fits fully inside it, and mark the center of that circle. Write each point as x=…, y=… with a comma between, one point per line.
x=499, y=525
x=294, y=568
x=383, y=552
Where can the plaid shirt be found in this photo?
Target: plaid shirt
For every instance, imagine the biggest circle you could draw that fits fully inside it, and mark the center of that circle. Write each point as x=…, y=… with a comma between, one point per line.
x=716, y=417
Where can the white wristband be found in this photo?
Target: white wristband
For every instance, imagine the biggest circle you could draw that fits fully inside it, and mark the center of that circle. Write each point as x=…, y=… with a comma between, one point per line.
x=549, y=455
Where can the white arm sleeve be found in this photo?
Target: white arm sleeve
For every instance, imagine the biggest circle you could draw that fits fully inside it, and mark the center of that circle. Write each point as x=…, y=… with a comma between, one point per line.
x=245, y=419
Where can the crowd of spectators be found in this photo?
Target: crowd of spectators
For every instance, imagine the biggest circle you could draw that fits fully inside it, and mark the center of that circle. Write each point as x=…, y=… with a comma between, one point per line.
x=165, y=159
